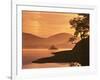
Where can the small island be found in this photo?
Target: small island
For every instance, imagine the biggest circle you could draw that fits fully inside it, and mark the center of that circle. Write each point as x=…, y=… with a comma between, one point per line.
x=53, y=47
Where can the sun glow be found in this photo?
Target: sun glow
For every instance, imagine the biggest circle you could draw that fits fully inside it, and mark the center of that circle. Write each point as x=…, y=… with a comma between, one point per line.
x=45, y=24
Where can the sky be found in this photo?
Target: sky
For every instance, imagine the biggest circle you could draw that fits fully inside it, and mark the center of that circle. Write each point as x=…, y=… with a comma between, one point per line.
x=45, y=24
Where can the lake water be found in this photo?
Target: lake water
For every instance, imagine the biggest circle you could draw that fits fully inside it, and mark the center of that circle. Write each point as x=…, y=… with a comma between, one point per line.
x=29, y=55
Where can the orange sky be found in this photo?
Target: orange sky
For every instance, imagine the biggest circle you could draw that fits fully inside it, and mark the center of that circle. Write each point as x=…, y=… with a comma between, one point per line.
x=45, y=24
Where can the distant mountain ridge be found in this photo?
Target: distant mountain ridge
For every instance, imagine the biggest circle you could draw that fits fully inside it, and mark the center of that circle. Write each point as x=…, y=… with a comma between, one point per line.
x=60, y=40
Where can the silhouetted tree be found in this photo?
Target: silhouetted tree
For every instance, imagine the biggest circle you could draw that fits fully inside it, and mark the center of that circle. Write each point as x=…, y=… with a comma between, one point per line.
x=81, y=26
x=73, y=40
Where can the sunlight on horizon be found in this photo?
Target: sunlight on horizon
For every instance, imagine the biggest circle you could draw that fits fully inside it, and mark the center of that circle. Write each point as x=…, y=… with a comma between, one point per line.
x=45, y=24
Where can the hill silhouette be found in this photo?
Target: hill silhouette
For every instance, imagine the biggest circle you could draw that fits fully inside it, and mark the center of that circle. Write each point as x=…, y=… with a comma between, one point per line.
x=80, y=53
x=60, y=40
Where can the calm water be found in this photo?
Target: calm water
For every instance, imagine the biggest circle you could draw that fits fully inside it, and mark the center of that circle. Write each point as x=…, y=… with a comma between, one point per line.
x=30, y=55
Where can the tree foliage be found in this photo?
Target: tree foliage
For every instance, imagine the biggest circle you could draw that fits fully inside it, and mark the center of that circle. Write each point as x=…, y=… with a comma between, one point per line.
x=81, y=26
x=72, y=39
